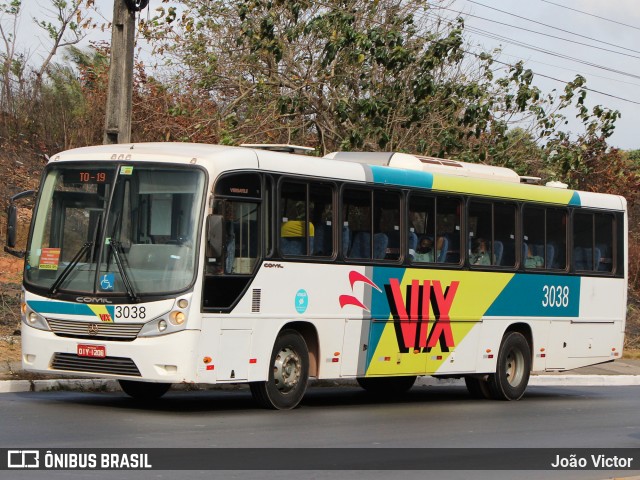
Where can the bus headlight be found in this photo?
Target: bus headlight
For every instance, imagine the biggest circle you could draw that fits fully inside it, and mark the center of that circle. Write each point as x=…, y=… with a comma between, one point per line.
x=177, y=318
x=34, y=320
x=183, y=303
x=160, y=326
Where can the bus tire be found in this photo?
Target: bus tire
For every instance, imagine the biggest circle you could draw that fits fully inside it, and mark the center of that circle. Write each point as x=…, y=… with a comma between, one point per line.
x=288, y=374
x=478, y=387
x=144, y=390
x=512, y=369
x=387, y=386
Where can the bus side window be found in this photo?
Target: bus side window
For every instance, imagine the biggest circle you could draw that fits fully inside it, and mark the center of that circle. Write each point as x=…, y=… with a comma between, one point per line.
x=322, y=216
x=593, y=242
x=556, y=249
x=306, y=219
x=296, y=230
x=357, y=220
x=448, y=227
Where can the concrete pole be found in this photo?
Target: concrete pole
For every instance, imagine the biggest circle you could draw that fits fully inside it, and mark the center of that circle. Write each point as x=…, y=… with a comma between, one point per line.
x=118, y=112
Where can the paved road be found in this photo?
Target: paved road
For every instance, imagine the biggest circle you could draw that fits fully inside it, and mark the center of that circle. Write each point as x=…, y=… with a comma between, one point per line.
x=551, y=417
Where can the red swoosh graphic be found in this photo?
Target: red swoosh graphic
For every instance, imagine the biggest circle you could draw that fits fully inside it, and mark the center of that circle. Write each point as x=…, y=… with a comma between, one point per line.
x=358, y=277
x=351, y=300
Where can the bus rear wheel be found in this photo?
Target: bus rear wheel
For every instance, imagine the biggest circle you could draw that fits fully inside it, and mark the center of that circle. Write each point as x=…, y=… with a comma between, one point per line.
x=512, y=369
x=144, y=390
x=387, y=385
x=288, y=375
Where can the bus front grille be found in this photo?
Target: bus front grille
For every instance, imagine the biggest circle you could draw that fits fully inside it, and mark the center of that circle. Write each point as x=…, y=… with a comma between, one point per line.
x=108, y=365
x=95, y=331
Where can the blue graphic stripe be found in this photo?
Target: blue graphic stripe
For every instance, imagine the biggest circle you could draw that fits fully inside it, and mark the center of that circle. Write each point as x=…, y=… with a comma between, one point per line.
x=404, y=178
x=528, y=295
x=575, y=200
x=65, y=308
x=380, y=309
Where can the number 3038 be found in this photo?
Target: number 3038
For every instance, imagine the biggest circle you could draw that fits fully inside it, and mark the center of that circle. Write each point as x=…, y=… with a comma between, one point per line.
x=130, y=312
x=555, y=296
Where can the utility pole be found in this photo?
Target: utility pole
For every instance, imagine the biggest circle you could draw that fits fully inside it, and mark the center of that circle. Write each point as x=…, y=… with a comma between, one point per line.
x=118, y=112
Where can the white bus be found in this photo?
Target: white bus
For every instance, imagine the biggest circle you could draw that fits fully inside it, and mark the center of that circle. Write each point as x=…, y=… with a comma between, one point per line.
x=163, y=263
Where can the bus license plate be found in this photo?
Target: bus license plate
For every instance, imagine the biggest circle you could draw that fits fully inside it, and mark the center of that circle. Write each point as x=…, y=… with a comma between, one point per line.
x=96, y=351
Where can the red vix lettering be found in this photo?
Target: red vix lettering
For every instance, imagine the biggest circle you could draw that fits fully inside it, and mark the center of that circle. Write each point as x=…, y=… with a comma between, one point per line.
x=412, y=314
x=105, y=317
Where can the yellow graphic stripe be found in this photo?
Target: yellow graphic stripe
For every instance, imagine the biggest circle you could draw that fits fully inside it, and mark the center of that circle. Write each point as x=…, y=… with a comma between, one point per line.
x=502, y=189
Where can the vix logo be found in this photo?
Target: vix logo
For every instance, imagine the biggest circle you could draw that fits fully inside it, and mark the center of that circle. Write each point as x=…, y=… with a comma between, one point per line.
x=415, y=327
x=412, y=314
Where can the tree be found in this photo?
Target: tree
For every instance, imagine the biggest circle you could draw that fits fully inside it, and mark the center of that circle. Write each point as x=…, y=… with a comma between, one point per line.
x=63, y=23
x=340, y=74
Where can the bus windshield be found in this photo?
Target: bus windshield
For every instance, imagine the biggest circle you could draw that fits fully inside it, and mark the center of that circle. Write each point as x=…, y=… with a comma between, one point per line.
x=115, y=229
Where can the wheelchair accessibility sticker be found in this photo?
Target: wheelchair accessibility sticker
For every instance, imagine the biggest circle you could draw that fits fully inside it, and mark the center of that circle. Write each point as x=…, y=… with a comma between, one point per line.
x=106, y=282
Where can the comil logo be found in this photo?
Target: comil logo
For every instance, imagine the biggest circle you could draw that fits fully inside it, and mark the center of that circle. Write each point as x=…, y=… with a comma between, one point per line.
x=23, y=459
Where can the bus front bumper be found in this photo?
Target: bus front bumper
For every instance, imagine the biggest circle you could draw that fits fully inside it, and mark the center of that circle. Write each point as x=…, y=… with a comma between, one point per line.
x=164, y=359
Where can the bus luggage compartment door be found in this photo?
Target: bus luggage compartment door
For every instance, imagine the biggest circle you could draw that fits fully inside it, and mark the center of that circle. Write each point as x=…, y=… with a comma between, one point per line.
x=235, y=347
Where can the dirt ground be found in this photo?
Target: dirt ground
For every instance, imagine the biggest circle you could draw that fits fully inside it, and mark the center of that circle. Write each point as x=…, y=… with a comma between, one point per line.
x=10, y=278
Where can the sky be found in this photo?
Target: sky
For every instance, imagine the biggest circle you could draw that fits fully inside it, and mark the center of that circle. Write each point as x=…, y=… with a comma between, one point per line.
x=612, y=69
x=610, y=73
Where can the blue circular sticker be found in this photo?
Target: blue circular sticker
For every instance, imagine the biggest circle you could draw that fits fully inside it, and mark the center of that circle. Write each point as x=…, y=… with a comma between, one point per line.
x=302, y=301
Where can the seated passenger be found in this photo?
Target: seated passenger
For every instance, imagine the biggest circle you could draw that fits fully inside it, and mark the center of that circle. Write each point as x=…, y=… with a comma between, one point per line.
x=533, y=261
x=480, y=254
x=424, y=252
x=295, y=229
x=294, y=240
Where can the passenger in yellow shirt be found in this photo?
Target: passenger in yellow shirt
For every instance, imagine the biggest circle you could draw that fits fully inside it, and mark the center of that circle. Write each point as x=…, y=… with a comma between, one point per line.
x=295, y=228
x=293, y=232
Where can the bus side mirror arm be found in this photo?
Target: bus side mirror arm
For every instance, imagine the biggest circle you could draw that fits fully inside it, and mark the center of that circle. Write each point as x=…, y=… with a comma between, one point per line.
x=216, y=234
x=12, y=223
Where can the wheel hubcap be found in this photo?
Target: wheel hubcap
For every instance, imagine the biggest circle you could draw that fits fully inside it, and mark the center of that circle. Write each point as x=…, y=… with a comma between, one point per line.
x=514, y=367
x=287, y=369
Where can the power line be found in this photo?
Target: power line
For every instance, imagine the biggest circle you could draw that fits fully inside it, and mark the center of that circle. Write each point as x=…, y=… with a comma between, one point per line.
x=497, y=37
x=559, y=80
x=590, y=74
x=552, y=27
x=426, y=14
x=546, y=34
x=518, y=43
x=591, y=14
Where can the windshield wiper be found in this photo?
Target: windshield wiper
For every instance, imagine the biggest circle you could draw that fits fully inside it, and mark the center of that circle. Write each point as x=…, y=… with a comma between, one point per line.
x=126, y=280
x=69, y=268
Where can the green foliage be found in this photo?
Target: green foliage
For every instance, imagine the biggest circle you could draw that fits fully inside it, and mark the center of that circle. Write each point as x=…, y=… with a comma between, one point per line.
x=355, y=74
x=11, y=8
x=343, y=74
x=634, y=157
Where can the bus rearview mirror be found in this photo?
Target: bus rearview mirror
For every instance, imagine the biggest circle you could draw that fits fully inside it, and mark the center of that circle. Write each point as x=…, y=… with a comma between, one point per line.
x=215, y=236
x=12, y=225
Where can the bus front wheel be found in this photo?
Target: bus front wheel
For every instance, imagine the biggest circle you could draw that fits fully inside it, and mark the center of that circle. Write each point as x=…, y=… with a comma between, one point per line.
x=512, y=369
x=288, y=374
x=144, y=390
